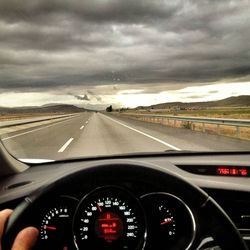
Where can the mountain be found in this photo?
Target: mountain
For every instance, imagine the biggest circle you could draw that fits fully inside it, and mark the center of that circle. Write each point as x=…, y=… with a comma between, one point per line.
x=56, y=108
x=235, y=101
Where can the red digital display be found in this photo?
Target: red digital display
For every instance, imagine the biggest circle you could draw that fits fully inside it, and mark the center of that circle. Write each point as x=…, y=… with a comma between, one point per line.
x=232, y=171
x=109, y=226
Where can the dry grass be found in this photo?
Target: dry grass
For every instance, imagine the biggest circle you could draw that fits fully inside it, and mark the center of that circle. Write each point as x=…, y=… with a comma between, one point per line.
x=10, y=117
x=227, y=113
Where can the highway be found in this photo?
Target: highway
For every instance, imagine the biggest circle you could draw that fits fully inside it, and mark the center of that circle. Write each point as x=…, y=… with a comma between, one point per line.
x=91, y=134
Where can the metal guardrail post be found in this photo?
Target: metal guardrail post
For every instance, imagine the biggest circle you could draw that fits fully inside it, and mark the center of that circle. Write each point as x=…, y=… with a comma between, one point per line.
x=218, y=128
x=203, y=127
x=238, y=131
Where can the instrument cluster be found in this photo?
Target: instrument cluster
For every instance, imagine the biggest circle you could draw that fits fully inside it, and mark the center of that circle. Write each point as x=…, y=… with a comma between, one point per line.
x=113, y=218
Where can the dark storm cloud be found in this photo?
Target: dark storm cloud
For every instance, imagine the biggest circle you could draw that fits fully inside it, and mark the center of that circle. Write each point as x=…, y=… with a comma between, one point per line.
x=129, y=11
x=60, y=43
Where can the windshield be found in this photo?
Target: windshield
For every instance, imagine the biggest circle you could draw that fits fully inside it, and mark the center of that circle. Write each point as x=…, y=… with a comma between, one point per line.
x=106, y=77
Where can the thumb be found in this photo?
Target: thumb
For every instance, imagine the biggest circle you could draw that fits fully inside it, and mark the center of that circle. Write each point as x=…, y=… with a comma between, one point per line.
x=25, y=239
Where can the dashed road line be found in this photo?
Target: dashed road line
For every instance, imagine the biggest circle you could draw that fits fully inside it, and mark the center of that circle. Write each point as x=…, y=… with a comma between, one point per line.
x=65, y=145
x=145, y=134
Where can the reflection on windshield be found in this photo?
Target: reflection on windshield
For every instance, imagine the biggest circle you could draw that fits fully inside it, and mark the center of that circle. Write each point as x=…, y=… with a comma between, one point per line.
x=92, y=78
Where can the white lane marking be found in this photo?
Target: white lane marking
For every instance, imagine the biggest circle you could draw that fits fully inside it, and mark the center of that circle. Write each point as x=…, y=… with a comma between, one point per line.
x=31, y=131
x=82, y=127
x=147, y=135
x=65, y=145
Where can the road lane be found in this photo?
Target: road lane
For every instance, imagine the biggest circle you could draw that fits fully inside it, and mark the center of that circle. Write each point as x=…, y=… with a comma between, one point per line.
x=145, y=134
x=91, y=134
x=103, y=136
x=44, y=142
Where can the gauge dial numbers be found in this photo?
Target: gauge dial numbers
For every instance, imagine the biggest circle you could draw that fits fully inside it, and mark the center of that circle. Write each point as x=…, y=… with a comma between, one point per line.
x=55, y=225
x=109, y=218
x=170, y=222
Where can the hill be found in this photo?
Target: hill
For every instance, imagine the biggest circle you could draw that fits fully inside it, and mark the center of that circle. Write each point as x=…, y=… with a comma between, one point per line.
x=56, y=108
x=235, y=101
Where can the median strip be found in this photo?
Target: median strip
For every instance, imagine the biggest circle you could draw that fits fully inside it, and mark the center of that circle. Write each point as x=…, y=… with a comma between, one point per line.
x=65, y=145
x=34, y=130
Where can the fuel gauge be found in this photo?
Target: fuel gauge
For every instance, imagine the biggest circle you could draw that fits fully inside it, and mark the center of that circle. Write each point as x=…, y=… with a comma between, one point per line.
x=166, y=221
x=170, y=222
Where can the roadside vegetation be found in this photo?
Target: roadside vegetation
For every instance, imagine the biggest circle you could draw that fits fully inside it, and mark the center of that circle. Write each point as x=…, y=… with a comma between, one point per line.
x=226, y=113
x=10, y=117
x=229, y=113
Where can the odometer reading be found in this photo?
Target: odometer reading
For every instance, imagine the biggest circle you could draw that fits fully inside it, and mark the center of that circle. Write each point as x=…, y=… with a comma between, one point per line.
x=109, y=218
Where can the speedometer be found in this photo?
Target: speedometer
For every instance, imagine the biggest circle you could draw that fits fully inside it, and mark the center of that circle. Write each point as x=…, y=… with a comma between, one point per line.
x=109, y=218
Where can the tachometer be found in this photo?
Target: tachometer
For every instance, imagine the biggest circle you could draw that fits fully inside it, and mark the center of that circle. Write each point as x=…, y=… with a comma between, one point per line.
x=109, y=218
x=55, y=225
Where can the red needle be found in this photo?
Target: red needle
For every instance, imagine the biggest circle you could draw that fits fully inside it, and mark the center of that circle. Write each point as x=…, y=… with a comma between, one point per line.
x=166, y=221
x=99, y=208
x=50, y=228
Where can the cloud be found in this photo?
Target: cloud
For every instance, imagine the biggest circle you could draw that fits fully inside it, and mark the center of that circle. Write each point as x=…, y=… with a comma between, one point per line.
x=82, y=98
x=48, y=45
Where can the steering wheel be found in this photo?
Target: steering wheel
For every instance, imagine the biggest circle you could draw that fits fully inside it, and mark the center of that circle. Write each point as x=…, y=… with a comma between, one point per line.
x=208, y=213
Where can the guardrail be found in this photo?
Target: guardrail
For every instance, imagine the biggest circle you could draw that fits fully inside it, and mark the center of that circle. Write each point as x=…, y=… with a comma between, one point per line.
x=19, y=122
x=237, y=123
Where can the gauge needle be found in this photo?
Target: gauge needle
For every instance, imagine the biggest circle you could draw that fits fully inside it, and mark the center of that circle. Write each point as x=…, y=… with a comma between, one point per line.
x=99, y=208
x=49, y=227
x=166, y=221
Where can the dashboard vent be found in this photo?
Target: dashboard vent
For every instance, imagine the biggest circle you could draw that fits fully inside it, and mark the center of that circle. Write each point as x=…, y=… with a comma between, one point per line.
x=18, y=184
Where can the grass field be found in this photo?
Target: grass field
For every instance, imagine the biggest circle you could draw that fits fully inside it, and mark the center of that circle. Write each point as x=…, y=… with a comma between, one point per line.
x=234, y=113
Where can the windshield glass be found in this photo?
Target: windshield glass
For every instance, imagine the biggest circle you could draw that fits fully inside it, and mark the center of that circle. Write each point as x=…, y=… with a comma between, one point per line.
x=105, y=77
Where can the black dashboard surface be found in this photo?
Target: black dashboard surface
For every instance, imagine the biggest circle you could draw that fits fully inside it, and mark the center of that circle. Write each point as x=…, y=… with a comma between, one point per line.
x=20, y=185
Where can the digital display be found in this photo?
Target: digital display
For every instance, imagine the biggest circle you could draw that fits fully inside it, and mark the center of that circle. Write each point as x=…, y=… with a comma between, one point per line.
x=231, y=171
x=109, y=226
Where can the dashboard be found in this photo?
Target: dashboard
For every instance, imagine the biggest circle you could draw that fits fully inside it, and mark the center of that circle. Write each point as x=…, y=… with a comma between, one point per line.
x=115, y=210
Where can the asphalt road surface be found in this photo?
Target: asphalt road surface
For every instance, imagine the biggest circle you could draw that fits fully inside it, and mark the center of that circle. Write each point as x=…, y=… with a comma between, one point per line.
x=91, y=134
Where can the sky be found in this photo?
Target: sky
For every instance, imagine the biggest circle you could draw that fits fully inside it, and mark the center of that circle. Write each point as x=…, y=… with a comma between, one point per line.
x=94, y=53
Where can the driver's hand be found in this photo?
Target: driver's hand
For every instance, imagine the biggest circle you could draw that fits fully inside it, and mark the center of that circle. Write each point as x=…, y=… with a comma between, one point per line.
x=25, y=239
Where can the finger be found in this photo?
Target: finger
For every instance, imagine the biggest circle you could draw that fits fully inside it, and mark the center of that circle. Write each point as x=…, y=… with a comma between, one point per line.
x=26, y=239
x=4, y=215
